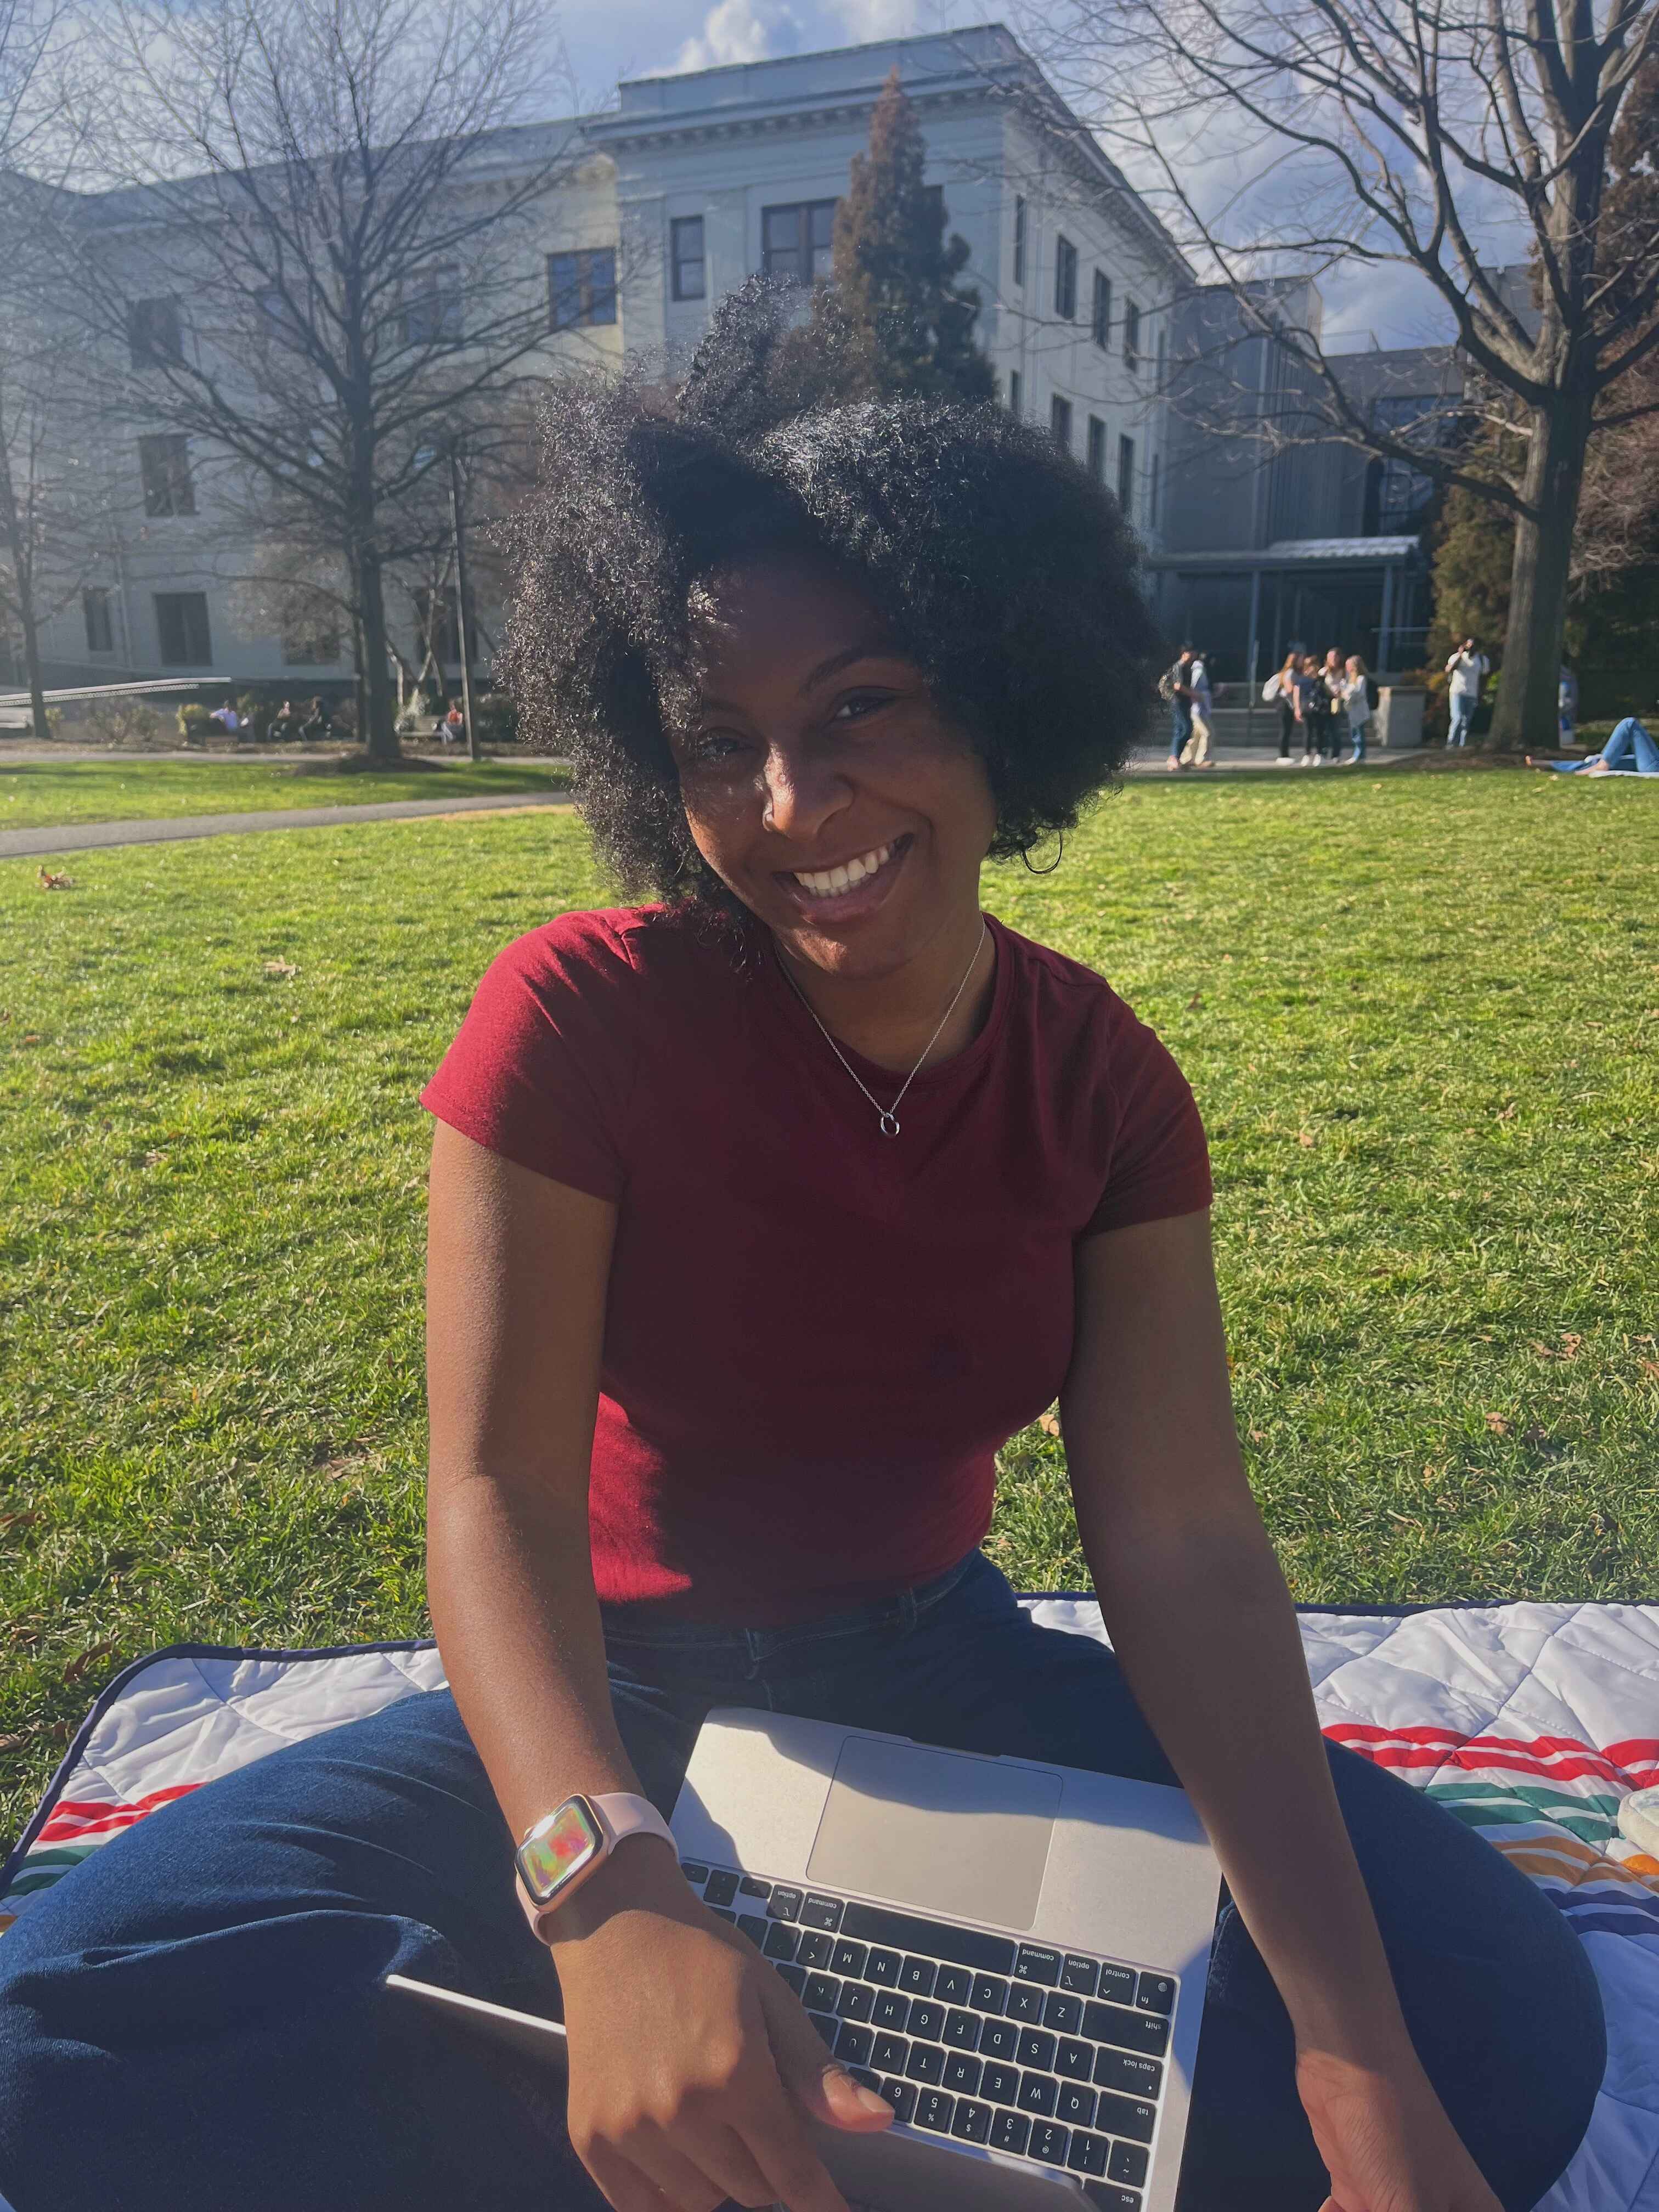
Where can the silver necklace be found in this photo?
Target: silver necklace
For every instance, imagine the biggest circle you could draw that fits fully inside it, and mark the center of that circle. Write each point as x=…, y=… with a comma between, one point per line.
x=888, y=1121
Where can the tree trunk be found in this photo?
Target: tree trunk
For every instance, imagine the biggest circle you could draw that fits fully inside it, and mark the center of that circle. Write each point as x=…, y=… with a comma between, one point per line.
x=22, y=569
x=378, y=716
x=1526, y=714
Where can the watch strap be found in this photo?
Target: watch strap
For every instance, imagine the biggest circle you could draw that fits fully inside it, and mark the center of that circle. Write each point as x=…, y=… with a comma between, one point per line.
x=619, y=1814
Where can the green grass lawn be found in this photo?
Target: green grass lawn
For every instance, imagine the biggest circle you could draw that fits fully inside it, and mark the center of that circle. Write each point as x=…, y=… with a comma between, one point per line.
x=41, y=794
x=1421, y=1013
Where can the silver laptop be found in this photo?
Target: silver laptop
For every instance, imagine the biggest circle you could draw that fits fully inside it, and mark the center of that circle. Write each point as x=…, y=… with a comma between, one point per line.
x=1012, y=1953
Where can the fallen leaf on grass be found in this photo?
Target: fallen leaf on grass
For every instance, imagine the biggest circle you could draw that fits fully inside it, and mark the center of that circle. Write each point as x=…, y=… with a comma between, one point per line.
x=1305, y=1137
x=1649, y=1367
x=1258, y=1436
x=281, y=968
x=12, y=1743
x=76, y=1667
x=1197, y=999
x=1497, y=1425
x=1508, y=1113
x=52, y=879
x=1049, y=1423
x=1569, y=1348
x=26, y=1518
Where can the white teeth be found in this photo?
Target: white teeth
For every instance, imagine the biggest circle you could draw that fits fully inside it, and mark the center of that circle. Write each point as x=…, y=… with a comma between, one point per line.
x=829, y=883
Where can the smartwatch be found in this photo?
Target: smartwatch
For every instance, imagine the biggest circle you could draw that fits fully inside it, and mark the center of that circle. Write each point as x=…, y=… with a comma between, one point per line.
x=560, y=1851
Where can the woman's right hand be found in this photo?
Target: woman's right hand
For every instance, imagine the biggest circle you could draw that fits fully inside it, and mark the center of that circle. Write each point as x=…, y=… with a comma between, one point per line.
x=693, y=2069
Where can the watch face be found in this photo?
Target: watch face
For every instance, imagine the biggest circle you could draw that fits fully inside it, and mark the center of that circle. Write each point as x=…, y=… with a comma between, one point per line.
x=570, y=1841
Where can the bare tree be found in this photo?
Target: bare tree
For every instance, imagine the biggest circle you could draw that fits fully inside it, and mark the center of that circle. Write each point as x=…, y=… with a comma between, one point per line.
x=353, y=270
x=1432, y=134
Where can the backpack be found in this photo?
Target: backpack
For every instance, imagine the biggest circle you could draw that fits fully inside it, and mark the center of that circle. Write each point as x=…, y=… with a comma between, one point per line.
x=1373, y=697
x=1166, y=683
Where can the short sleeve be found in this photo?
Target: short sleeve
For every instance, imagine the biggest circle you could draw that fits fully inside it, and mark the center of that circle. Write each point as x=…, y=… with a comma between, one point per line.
x=542, y=1068
x=1160, y=1160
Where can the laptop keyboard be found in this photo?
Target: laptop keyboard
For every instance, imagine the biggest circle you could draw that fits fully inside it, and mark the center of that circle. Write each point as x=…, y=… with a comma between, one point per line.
x=1054, y=2056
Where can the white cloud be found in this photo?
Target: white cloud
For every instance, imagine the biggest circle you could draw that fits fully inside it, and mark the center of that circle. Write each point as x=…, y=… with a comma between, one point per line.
x=740, y=31
x=877, y=19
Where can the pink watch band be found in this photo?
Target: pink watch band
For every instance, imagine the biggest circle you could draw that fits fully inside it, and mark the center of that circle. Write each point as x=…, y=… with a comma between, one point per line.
x=618, y=1815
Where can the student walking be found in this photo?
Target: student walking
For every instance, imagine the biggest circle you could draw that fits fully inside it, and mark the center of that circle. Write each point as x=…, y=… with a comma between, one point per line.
x=1195, y=753
x=1174, y=685
x=1465, y=668
x=1280, y=690
x=1356, y=704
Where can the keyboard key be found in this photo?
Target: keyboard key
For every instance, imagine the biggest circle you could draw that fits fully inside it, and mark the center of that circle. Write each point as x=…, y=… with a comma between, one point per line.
x=1088, y=2153
x=1037, y=2048
x=934, y=2110
x=782, y=1939
x=1126, y=2163
x=826, y=2026
x=1037, y=2093
x=816, y=1949
x=889, y=2009
x=1106, y=2197
x=1123, y=2070
x=1121, y=2116
x=884, y=1967
x=990, y=1993
x=752, y=1925
x=855, y=2001
x=961, y=2031
x=784, y=1903
x=1035, y=1963
x=1011, y=2131
x=865, y=2076
x=794, y=1976
x=907, y=1931
x=955, y=1985
x=722, y=1887
x=694, y=1874
x=822, y=1992
x=890, y=2052
x=1156, y=1994
x=926, y=2063
x=1062, y=2011
x=853, y=2044
x=901, y=2096
x=724, y=1912
x=1075, y=2106
x=1025, y=2004
x=1117, y=1984
x=961, y=2071
x=1074, y=2061
x=973, y=2121
x=1049, y=2143
x=822, y=1912
x=999, y=2083
x=849, y=1959
x=753, y=1885
x=926, y=2020
x=1126, y=2030
x=999, y=2038
x=1080, y=1976
x=917, y=1976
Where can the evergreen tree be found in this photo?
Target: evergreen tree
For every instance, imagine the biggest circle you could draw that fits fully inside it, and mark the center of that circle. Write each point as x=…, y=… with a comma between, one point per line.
x=905, y=327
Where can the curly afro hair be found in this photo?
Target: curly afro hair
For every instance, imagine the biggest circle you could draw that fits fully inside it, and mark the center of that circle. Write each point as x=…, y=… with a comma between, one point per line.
x=1001, y=568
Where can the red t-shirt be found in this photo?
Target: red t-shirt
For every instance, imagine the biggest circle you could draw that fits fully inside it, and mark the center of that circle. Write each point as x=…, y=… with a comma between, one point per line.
x=816, y=1336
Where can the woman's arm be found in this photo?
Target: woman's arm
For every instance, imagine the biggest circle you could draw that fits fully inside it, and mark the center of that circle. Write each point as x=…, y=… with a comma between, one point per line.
x=680, y=2038
x=1170, y=1531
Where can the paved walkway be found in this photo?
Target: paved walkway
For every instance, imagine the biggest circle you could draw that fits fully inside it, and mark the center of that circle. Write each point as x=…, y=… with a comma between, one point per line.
x=1153, y=759
x=79, y=837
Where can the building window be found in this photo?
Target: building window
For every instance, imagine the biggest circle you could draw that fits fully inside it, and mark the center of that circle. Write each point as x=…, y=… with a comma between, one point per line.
x=181, y=625
x=94, y=608
x=581, y=287
x=1163, y=359
x=1126, y=477
x=1131, y=335
x=1065, y=280
x=1059, y=420
x=153, y=332
x=1101, y=332
x=1096, y=449
x=795, y=240
x=685, y=258
x=164, y=463
x=432, y=312
x=1016, y=393
x=1019, y=240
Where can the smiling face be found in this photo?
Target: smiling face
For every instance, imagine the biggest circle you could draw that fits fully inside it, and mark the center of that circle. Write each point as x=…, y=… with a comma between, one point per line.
x=821, y=783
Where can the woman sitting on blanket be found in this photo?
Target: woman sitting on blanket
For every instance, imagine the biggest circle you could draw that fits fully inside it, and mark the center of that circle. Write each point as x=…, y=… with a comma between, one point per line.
x=761, y=1216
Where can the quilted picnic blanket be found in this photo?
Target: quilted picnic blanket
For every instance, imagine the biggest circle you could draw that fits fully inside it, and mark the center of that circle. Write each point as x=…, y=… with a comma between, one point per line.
x=1529, y=1722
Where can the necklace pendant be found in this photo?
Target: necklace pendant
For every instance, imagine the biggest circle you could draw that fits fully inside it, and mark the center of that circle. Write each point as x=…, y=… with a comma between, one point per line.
x=888, y=1124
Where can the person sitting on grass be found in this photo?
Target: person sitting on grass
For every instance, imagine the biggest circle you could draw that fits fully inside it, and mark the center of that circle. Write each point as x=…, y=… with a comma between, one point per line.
x=762, y=1212
x=1628, y=751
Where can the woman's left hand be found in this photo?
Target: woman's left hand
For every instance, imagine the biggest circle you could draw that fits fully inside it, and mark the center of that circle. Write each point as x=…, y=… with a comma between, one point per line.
x=1385, y=2138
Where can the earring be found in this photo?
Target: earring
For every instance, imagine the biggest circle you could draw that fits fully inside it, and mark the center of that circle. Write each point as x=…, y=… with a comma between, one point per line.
x=1059, y=854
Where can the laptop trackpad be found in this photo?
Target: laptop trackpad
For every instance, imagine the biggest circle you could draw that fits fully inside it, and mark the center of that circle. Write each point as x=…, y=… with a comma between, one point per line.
x=942, y=1831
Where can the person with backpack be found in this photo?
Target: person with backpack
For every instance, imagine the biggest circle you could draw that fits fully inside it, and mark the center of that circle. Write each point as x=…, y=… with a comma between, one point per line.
x=1174, y=688
x=1312, y=705
x=1358, y=703
x=1195, y=753
x=1280, y=690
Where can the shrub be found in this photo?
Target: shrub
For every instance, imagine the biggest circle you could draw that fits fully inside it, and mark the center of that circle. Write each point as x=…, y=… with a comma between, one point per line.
x=495, y=719
x=123, y=722
x=195, y=723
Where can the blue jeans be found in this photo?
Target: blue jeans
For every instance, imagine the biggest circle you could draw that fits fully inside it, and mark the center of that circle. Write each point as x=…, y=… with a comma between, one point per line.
x=194, y=2019
x=1181, y=727
x=1462, y=713
x=1629, y=746
x=1356, y=734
